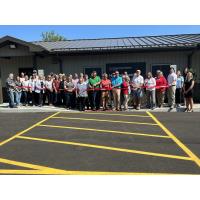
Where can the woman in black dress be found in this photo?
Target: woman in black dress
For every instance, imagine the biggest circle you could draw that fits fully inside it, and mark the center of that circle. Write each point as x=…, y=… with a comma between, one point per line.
x=188, y=91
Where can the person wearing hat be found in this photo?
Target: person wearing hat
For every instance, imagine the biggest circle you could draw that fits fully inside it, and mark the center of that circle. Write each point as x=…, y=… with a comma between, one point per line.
x=116, y=90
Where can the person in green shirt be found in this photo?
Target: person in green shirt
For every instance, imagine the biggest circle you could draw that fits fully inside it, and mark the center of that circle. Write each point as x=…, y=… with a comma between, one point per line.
x=94, y=85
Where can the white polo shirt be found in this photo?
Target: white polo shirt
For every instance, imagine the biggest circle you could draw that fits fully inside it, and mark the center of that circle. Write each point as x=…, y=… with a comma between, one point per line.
x=138, y=80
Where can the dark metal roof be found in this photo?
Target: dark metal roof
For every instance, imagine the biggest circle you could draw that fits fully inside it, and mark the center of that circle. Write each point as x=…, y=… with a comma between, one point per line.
x=164, y=41
x=137, y=43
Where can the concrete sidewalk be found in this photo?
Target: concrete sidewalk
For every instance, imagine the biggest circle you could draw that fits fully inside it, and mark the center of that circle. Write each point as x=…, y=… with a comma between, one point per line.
x=4, y=108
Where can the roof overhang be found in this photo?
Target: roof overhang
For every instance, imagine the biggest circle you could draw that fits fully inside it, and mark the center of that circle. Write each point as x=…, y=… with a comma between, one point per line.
x=11, y=40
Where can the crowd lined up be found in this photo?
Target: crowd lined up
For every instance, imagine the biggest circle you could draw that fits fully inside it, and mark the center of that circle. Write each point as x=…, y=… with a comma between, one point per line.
x=110, y=92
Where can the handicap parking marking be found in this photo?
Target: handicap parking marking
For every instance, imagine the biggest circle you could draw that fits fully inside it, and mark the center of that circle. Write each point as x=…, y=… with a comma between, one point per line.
x=38, y=169
x=104, y=131
x=34, y=168
x=176, y=140
x=28, y=129
x=105, y=148
x=107, y=114
x=105, y=120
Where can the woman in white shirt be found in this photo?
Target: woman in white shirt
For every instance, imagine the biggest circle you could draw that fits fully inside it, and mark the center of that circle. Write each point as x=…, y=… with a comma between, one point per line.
x=25, y=88
x=39, y=90
x=49, y=90
x=150, y=84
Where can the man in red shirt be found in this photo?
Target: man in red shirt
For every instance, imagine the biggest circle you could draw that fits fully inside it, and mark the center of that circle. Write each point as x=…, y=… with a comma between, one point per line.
x=161, y=84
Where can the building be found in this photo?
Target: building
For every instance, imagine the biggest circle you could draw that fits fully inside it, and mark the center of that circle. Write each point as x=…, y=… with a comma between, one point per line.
x=147, y=53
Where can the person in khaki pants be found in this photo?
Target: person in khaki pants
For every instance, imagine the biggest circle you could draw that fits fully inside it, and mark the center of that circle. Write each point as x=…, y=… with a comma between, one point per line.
x=161, y=84
x=116, y=89
x=172, y=78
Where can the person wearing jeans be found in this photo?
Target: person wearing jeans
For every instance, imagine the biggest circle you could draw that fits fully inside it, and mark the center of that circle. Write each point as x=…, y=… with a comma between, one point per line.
x=116, y=90
x=10, y=85
x=137, y=83
x=94, y=86
x=69, y=92
x=150, y=84
x=25, y=89
x=81, y=91
x=179, y=88
x=18, y=91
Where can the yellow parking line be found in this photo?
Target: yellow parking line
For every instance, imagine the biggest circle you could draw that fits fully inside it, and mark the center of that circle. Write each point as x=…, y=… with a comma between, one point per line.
x=106, y=148
x=28, y=129
x=102, y=113
x=67, y=172
x=105, y=120
x=28, y=165
x=104, y=131
x=176, y=140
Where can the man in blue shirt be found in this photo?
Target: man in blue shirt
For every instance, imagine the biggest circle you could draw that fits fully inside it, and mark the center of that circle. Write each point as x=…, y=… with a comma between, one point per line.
x=179, y=87
x=116, y=89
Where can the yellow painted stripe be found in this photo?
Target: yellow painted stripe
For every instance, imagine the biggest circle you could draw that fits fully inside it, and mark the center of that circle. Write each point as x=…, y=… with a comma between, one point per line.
x=106, y=148
x=105, y=120
x=28, y=165
x=111, y=114
x=104, y=131
x=28, y=129
x=176, y=140
x=66, y=172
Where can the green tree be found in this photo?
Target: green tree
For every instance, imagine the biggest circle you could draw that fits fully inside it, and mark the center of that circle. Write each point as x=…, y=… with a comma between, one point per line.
x=51, y=36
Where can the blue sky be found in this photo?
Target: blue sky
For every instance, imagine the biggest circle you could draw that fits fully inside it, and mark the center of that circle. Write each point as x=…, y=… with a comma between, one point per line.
x=33, y=33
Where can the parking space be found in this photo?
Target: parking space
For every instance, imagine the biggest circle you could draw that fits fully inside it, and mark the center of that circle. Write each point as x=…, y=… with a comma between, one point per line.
x=96, y=143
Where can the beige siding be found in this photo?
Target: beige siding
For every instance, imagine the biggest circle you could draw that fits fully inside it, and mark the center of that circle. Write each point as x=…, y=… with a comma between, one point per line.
x=46, y=63
x=77, y=63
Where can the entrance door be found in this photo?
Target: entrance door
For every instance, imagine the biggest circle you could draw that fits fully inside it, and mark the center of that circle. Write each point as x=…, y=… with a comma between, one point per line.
x=89, y=70
x=162, y=67
x=27, y=71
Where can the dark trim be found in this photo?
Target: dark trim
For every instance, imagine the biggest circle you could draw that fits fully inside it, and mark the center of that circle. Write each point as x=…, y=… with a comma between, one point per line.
x=1, y=89
x=124, y=51
x=60, y=65
x=35, y=67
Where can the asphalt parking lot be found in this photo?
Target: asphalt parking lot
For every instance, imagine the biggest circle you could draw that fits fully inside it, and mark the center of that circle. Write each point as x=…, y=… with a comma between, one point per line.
x=99, y=143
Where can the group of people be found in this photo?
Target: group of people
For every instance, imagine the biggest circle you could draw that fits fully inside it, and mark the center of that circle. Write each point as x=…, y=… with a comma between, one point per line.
x=111, y=92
